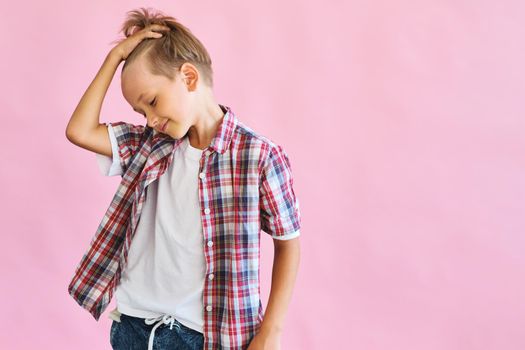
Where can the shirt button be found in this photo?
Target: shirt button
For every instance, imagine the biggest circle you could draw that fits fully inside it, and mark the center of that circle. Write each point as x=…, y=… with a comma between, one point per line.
x=210, y=243
x=210, y=276
x=208, y=307
x=207, y=153
x=202, y=176
x=207, y=210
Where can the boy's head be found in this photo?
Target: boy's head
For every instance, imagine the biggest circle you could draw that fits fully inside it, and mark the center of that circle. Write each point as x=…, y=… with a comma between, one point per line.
x=169, y=80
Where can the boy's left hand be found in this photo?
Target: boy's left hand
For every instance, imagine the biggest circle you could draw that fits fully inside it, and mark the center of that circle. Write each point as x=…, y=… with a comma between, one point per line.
x=266, y=341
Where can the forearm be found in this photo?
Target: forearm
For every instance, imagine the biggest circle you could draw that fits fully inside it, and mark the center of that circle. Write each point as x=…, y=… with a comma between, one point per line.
x=285, y=266
x=86, y=116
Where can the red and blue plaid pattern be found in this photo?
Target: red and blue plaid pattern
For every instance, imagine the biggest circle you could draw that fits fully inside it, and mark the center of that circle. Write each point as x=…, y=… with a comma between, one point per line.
x=245, y=186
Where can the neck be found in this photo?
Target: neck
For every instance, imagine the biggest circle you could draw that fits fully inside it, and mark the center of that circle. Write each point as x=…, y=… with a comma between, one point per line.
x=207, y=120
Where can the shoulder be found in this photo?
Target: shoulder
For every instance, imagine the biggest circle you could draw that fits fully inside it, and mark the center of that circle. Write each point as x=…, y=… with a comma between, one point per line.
x=124, y=129
x=247, y=139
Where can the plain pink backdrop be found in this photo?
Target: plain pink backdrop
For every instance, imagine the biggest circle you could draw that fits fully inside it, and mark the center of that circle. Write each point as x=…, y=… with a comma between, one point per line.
x=404, y=123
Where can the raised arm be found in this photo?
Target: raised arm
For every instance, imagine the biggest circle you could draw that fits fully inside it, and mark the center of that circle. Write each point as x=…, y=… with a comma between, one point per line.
x=84, y=128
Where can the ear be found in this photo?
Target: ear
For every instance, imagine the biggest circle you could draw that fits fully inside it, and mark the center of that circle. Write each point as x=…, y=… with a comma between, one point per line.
x=190, y=75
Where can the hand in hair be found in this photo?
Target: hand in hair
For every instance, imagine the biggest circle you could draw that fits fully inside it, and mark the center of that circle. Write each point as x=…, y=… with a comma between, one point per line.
x=124, y=48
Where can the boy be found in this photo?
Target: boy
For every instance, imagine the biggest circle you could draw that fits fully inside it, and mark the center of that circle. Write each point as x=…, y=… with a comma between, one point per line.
x=179, y=243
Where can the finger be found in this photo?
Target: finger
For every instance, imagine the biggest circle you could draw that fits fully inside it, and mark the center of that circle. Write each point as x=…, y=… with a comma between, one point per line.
x=151, y=33
x=158, y=27
x=154, y=35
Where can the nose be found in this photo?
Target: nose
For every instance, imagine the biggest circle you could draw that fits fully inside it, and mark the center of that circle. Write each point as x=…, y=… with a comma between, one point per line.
x=153, y=121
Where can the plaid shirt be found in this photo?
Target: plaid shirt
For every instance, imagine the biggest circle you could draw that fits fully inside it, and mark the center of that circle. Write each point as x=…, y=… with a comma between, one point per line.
x=245, y=186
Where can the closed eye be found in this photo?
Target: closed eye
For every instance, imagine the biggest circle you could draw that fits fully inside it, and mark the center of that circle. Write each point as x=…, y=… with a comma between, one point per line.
x=152, y=103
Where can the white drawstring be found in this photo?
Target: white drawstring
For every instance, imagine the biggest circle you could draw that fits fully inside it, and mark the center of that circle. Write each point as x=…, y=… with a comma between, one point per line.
x=164, y=319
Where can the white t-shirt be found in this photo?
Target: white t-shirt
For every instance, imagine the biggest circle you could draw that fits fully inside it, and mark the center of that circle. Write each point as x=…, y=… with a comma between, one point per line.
x=166, y=264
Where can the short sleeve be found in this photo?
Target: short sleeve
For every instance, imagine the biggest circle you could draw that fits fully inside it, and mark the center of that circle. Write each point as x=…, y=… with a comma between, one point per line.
x=279, y=206
x=128, y=138
x=110, y=166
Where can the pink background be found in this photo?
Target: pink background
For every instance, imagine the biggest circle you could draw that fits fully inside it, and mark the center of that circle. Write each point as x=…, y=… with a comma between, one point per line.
x=404, y=123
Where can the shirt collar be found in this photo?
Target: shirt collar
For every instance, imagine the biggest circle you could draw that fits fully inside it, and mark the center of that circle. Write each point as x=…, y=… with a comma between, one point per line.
x=221, y=140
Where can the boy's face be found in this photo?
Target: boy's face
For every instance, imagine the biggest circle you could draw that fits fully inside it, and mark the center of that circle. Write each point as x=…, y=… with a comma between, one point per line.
x=163, y=102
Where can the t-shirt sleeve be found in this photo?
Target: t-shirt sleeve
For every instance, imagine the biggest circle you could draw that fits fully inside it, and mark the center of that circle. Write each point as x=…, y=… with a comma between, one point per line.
x=110, y=166
x=279, y=207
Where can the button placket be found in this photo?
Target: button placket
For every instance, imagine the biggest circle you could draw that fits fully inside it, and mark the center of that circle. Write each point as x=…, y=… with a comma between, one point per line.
x=209, y=243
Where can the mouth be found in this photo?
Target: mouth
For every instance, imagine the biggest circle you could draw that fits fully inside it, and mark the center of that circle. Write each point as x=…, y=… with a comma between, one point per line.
x=164, y=126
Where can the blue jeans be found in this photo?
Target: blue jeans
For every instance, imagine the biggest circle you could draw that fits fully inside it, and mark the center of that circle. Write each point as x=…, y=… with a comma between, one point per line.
x=132, y=333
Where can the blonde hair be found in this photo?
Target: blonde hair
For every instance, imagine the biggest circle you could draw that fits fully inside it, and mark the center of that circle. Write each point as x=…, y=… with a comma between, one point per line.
x=165, y=55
